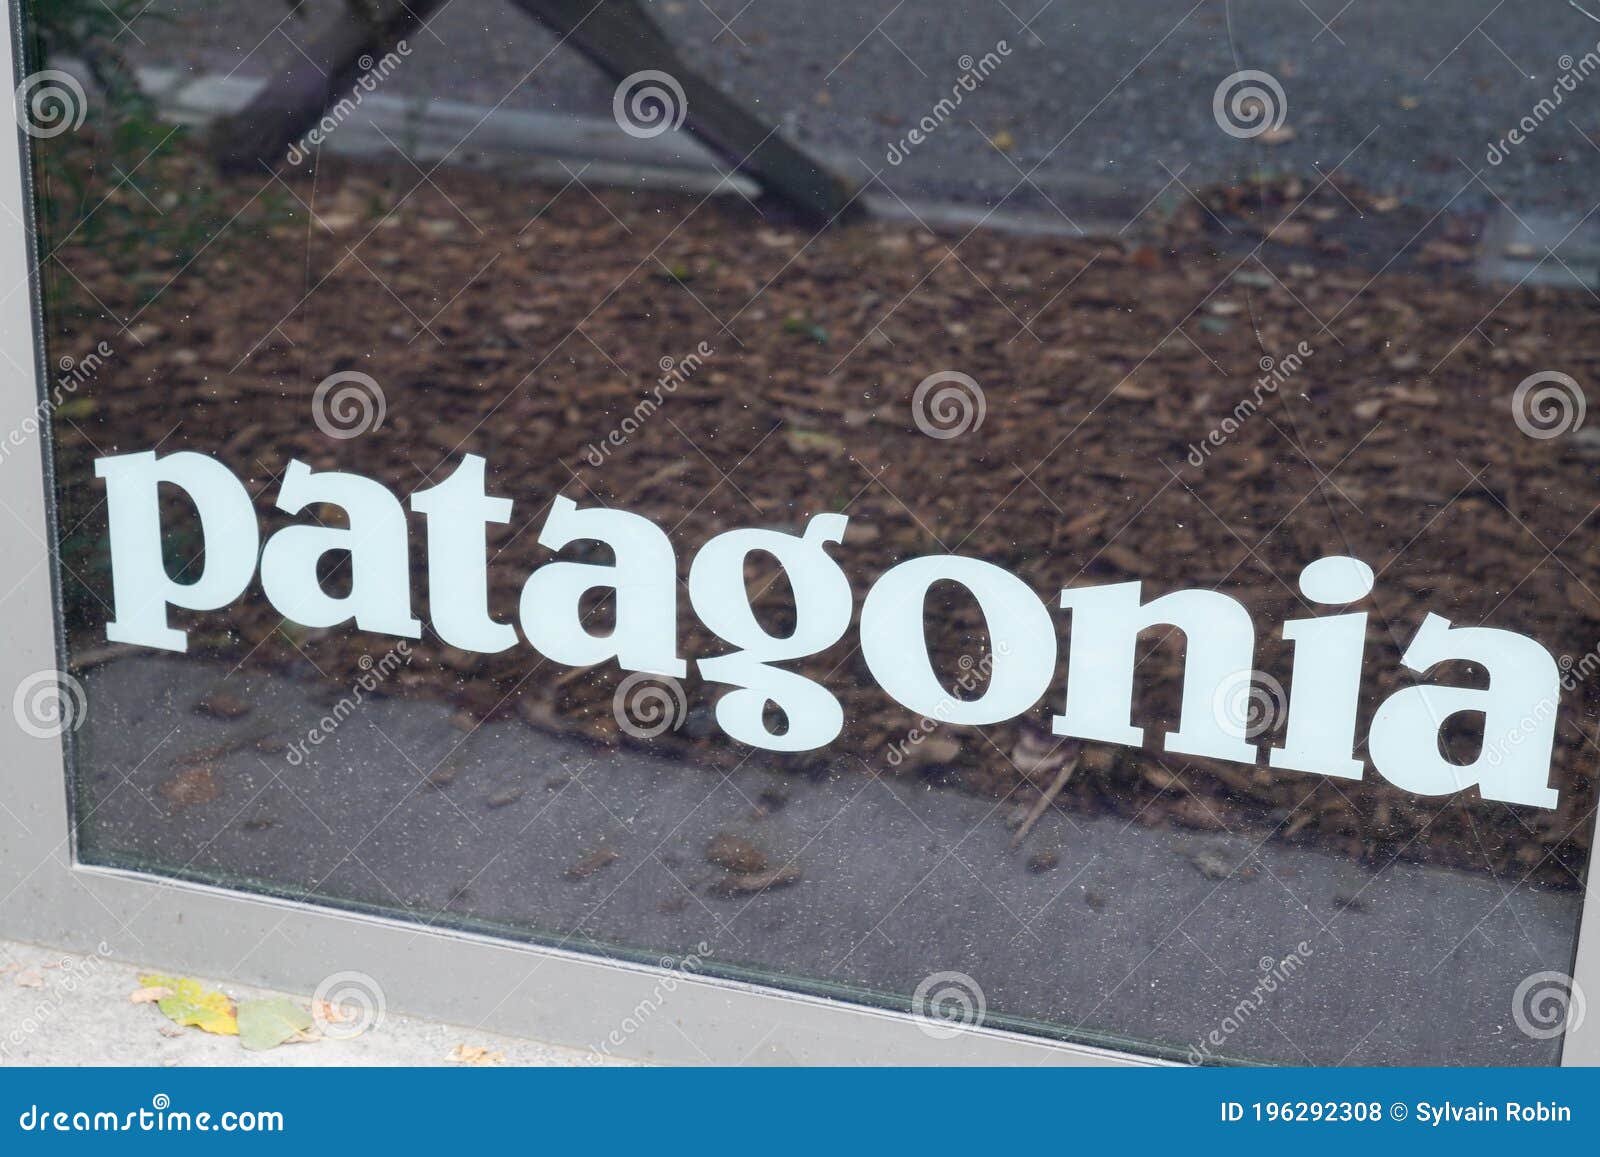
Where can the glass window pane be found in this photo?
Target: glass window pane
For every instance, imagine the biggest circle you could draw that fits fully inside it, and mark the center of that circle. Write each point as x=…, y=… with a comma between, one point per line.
x=1078, y=523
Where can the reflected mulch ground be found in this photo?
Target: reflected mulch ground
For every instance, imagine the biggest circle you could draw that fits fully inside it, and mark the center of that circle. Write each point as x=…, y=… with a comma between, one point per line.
x=526, y=323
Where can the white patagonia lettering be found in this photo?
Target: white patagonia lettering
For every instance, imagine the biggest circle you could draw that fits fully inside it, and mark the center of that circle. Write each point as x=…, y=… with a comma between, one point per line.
x=1106, y=622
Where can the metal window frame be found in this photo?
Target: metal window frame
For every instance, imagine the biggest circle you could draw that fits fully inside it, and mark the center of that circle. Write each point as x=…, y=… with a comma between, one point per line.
x=556, y=995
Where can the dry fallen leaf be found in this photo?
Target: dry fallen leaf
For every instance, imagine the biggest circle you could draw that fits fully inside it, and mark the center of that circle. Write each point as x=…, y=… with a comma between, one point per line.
x=327, y=1012
x=149, y=995
x=475, y=1055
x=221, y=705
x=750, y=883
x=735, y=853
x=197, y=785
x=590, y=862
x=30, y=978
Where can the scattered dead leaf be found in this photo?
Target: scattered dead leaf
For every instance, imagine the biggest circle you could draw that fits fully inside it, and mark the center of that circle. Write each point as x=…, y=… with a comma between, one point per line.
x=464, y=1054
x=190, y=788
x=735, y=853
x=221, y=705
x=750, y=883
x=591, y=862
x=504, y=798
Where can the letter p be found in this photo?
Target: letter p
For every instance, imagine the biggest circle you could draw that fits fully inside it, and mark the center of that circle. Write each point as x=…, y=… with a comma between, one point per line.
x=141, y=588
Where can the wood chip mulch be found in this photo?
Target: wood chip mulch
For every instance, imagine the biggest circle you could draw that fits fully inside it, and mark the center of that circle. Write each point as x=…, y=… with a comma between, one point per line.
x=523, y=323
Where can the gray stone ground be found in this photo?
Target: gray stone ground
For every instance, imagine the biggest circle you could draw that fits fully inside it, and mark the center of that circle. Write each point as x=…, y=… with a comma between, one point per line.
x=63, y=1009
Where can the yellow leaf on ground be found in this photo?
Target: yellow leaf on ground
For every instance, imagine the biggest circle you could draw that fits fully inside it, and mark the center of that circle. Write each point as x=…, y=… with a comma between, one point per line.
x=191, y=1003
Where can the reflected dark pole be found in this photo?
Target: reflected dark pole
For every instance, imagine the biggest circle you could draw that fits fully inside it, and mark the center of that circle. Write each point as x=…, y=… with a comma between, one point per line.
x=621, y=39
x=617, y=36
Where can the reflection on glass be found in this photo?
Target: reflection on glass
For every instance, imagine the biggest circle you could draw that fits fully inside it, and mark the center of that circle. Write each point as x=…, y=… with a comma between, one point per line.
x=645, y=350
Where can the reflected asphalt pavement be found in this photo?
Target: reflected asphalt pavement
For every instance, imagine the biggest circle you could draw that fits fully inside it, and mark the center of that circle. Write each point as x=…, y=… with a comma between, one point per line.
x=1103, y=928
x=1095, y=100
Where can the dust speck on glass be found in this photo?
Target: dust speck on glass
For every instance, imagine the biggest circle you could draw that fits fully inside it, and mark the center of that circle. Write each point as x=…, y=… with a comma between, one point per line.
x=1077, y=521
